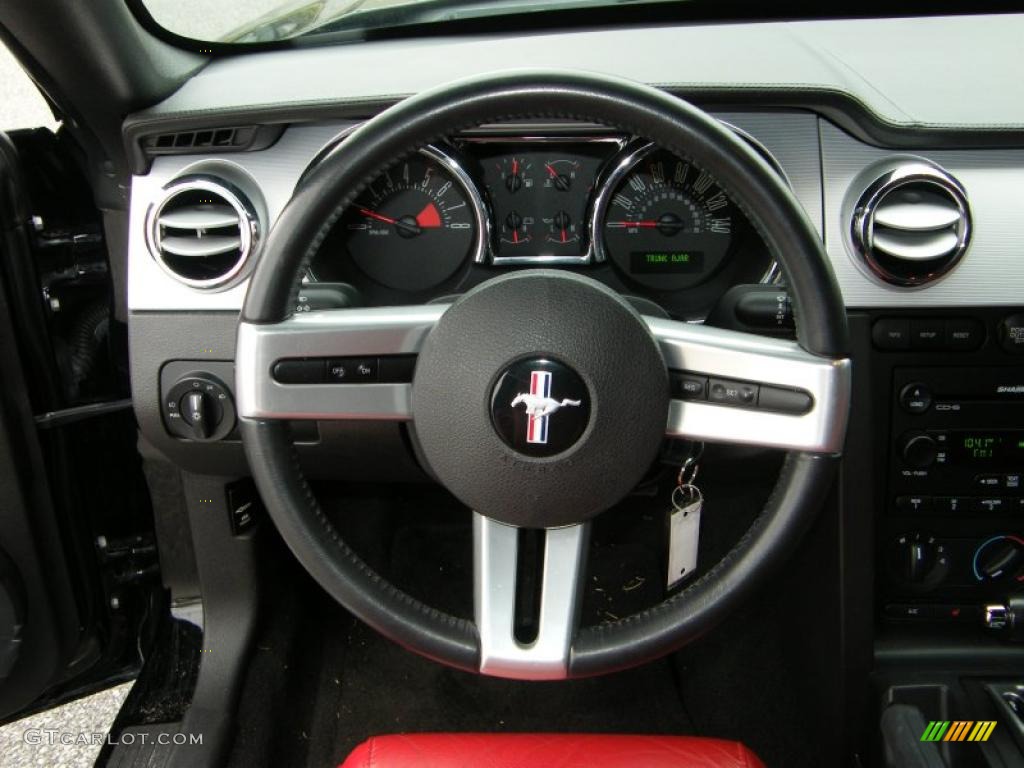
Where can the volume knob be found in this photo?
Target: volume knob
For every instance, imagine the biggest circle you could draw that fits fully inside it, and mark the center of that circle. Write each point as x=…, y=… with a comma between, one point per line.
x=920, y=451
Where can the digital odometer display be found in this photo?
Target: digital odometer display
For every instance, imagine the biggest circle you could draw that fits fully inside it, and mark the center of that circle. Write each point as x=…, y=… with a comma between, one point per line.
x=666, y=262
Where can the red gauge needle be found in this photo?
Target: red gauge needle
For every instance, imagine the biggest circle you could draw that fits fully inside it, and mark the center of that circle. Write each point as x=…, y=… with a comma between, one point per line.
x=563, y=234
x=552, y=171
x=515, y=167
x=515, y=235
x=378, y=216
x=646, y=224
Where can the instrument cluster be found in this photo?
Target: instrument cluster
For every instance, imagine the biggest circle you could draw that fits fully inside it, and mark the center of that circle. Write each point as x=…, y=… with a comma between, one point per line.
x=630, y=214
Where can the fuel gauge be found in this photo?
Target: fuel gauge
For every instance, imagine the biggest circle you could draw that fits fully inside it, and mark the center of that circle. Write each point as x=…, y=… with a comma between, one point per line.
x=516, y=174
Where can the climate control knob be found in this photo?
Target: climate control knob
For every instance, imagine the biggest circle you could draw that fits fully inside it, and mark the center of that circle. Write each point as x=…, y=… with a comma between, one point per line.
x=919, y=451
x=1000, y=558
x=919, y=562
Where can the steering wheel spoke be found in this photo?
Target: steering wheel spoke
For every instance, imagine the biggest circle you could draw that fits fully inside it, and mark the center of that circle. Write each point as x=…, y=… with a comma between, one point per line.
x=756, y=390
x=323, y=336
x=496, y=554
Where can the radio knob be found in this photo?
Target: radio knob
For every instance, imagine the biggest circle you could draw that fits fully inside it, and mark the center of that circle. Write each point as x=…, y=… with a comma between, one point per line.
x=920, y=451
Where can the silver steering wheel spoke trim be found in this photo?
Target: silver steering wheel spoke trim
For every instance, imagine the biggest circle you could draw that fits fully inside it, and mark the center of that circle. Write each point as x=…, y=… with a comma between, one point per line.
x=686, y=347
x=495, y=556
x=327, y=334
x=759, y=360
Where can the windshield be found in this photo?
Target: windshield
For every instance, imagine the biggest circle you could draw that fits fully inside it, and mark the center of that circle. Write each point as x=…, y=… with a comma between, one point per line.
x=267, y=21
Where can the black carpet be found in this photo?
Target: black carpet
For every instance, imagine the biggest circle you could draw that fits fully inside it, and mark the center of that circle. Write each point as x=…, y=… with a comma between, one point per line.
x=321, y=682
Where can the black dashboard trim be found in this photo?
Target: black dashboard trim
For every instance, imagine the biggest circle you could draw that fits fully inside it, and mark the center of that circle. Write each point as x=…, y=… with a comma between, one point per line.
x=841, y=108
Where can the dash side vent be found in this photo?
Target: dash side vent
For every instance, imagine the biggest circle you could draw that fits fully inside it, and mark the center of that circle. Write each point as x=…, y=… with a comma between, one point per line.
x=202, y=232
x=912, y=225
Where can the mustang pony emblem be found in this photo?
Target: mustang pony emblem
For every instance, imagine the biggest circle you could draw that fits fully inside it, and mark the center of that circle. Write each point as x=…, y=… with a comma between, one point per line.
x=539, y=406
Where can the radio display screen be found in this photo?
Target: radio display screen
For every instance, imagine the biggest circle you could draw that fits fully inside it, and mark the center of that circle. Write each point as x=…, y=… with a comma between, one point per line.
x=996, y=448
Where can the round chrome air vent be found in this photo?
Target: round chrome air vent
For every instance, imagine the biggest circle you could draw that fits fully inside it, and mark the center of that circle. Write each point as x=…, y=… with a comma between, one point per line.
x=202, y=232
x=912, y=225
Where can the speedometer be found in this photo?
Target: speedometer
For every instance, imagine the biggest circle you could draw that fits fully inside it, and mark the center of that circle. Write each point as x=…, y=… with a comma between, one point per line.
x=416, y=223
x=665, y=223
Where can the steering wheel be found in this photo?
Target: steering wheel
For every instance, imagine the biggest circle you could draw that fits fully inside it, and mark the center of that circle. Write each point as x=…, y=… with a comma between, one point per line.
x=604, y=365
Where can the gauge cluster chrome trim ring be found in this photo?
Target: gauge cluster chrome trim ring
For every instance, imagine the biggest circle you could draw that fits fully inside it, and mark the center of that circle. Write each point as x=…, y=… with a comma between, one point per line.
x=493, y=135
x=481, y=211
x=622, y=164
x=248, y=228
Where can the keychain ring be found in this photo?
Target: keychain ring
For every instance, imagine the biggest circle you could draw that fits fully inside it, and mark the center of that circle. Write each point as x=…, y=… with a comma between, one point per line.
x=693, y=494
x=693, y=467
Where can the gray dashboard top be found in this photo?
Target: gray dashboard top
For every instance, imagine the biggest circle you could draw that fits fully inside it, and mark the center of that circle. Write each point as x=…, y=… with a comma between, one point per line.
x=911, y=73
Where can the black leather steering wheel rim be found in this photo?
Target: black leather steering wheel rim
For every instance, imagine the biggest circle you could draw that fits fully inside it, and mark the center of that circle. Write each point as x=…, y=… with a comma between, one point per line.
x=636, y=109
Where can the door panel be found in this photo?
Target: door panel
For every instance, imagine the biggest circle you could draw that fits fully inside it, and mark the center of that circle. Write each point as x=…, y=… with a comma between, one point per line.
x=38, y=616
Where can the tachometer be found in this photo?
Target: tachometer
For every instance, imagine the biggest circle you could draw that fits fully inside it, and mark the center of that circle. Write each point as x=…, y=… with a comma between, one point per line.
x=665, y=223
x=416, y=223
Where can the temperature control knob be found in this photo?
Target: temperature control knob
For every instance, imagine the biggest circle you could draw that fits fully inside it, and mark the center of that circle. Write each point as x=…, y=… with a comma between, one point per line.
x=1000, y=558
x=920, y=451
x=919, y=561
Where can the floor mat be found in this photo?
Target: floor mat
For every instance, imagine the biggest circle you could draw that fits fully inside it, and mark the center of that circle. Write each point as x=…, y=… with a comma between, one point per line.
x=380, y=687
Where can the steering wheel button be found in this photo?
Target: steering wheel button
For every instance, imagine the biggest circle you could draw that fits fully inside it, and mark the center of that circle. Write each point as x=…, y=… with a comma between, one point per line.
x=794, y=401
x=299, y=371
x=729, y=392
x=689, y=387
x=365, y=369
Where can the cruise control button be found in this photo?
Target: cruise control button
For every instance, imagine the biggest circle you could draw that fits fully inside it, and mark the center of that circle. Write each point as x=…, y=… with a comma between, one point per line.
x=352, y=370
x=915, y=398
x=927, y=334
x=299, y=371
x=689, y=387
x=964, y=334
x=731, y=392
x=891, y=333
x=794, y=401
x=365, y=369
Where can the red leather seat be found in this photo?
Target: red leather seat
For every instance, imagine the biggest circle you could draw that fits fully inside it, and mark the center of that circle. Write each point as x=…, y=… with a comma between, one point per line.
x=527, y=750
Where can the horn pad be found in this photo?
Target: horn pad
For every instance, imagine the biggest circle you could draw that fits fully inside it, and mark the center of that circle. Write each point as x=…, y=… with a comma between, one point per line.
x=589, y=388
